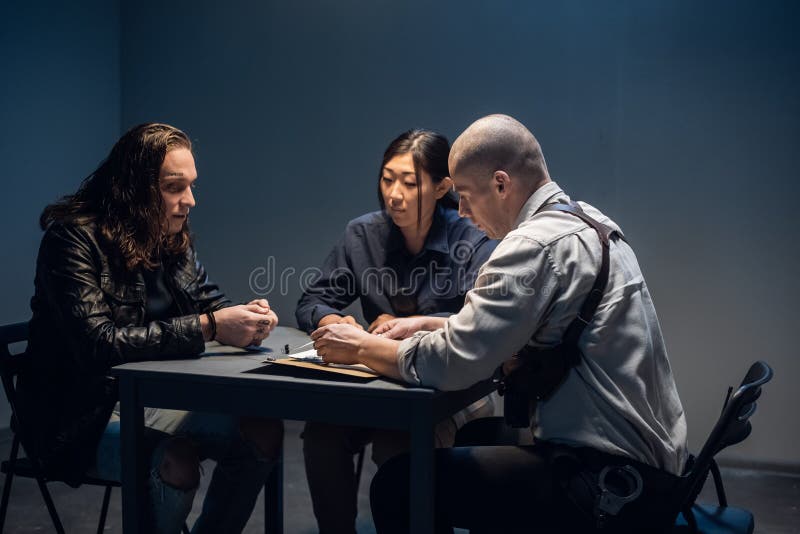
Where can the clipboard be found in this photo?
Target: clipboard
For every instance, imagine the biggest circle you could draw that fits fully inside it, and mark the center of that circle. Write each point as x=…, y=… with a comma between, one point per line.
x=360, y=371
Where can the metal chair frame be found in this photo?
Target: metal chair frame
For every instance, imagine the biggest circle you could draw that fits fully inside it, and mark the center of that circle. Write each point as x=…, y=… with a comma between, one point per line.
x=732, y=427
x=30, y=466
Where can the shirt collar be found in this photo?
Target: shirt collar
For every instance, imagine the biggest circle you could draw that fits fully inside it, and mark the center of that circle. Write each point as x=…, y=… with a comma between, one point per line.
x=437, y=235
x=537, y=199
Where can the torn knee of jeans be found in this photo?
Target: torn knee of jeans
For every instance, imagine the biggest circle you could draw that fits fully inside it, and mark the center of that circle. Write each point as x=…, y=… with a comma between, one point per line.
x=264, y=435
x=180, y=464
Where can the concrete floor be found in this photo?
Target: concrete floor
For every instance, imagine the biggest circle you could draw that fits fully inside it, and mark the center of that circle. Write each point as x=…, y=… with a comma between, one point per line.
x=774, y=498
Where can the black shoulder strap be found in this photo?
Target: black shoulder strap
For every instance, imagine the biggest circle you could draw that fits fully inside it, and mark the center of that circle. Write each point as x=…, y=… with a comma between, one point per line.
x=605, y=233
x=544, y=370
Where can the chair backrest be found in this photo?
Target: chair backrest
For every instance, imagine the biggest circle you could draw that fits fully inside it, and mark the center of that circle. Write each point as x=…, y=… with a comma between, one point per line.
x=732, y=427
x=12, y=364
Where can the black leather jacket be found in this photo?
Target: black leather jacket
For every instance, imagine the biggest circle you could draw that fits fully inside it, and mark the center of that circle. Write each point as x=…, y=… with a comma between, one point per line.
x=88, y=315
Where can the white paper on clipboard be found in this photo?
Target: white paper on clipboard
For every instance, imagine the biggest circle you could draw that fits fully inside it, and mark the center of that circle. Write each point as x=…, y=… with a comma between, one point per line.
x=307, y=356
x=309, y=359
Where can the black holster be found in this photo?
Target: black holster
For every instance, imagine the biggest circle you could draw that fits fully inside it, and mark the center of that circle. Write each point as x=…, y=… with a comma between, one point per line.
x=543, y=370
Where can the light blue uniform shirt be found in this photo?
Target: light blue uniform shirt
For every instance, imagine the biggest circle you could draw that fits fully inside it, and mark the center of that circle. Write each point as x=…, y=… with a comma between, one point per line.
x=621, y=398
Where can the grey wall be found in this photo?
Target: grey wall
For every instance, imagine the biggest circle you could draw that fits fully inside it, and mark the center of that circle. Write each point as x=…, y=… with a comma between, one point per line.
x=59, y=116
x=678, y=118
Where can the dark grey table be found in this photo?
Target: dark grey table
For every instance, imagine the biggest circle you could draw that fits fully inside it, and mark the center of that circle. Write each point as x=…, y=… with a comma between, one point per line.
x=235, y=381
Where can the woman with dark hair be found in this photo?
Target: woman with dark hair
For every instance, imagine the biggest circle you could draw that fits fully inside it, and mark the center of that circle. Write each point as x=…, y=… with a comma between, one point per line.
x=117, y=280
x=414, y=258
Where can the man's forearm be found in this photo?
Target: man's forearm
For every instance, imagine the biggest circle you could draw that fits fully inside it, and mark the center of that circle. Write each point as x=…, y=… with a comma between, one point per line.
x=380, y=354
x=435, y=322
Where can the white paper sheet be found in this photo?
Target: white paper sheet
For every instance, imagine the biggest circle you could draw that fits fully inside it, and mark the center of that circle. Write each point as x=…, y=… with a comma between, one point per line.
x=307, y=355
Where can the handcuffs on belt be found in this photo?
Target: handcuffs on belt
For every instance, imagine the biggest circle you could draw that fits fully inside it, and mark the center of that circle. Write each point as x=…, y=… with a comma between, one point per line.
x=610, y=503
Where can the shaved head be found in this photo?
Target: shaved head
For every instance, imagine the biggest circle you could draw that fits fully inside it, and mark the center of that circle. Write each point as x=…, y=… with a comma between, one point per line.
x=496, y=165
x=499, y=143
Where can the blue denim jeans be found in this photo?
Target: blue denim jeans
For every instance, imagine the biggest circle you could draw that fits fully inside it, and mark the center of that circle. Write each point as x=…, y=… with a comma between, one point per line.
x=238, y=477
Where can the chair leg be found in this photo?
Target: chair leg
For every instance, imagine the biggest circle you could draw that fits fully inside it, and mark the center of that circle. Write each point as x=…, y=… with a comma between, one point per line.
x=50, y=506
x=6, y=494
x=688, y=514
x=12, y=459
x=723, y=499
x=101, y=525
x=359, y=467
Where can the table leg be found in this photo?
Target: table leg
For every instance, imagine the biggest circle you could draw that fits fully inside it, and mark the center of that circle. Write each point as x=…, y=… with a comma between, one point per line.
x=133, y=469
x=421, y=485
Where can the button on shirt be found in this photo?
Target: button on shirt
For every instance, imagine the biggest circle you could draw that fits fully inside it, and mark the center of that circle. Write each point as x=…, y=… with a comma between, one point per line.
x=621, y=398
x=371, y=263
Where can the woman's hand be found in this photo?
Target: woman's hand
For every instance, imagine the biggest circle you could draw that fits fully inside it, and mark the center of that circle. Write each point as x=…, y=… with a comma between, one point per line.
x=405, y=327
x=338, y=319
x=339, y=343
x=382, y=319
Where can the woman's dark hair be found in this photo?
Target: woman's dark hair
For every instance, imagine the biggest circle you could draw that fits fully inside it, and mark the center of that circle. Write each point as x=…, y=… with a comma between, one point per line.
x=122, y=196
x=429, y=151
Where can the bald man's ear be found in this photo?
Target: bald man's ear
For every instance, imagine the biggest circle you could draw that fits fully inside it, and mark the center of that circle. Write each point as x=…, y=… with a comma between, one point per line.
x=443, y=187
x=501, y=183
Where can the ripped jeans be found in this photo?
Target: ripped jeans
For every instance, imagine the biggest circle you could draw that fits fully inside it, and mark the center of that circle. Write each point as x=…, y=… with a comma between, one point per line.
x=238, y=477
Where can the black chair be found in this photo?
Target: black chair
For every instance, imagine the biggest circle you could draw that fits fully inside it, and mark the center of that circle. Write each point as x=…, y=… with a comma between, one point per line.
x=30, y=467
x=732, y=427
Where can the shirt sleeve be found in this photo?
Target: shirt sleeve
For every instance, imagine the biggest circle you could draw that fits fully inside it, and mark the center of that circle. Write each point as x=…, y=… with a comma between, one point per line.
x=512, y=294
x=332, y=291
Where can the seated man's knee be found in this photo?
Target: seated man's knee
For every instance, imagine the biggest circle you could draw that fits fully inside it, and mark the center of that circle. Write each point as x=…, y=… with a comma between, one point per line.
x=389, y=495
x=387, y=444
x=265, y=434
x=180, y=464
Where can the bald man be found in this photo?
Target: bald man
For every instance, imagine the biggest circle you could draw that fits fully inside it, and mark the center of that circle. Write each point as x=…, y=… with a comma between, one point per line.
x=614, y=404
